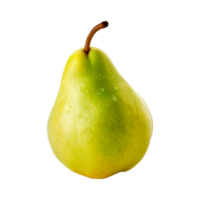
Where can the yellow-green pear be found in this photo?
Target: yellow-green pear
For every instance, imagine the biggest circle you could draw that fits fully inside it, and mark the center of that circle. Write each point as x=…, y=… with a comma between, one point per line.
x=99, y=125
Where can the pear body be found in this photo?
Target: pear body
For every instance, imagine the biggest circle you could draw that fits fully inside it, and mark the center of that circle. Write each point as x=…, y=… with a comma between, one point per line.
x=99, y=125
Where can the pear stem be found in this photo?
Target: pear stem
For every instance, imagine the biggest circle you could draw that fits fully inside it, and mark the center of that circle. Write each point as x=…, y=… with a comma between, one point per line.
x=103, y=24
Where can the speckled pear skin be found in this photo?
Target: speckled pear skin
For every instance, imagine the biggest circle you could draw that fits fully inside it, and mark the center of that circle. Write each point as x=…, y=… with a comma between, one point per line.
x=99, y=125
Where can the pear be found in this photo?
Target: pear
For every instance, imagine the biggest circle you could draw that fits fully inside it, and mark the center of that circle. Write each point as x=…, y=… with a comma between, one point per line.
x=99, y=125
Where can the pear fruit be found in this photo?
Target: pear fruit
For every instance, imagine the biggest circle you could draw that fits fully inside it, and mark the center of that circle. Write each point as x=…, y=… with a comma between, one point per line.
x=99, y=125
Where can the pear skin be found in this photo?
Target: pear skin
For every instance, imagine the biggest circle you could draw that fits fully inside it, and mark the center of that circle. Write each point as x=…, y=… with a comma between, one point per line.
x=99, y=125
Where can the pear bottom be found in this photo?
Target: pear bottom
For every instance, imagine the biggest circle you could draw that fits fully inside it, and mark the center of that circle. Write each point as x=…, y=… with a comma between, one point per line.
x=100, y=146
